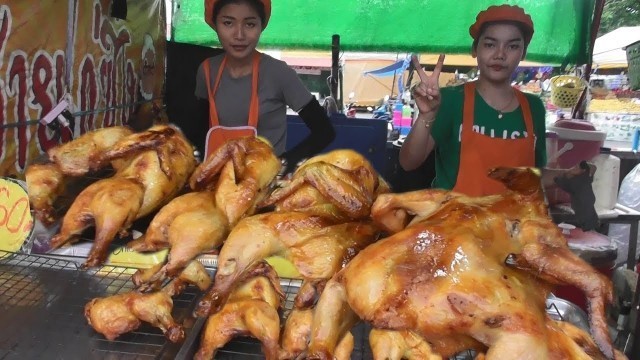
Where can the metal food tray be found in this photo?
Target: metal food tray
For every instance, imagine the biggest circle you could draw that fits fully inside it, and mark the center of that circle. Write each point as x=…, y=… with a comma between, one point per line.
x=42, y=303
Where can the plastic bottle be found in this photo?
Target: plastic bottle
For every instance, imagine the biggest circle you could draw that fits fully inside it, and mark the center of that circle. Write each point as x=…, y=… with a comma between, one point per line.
x=406, y=115
x=606, y=179
x=397, y=114
x=635, y=142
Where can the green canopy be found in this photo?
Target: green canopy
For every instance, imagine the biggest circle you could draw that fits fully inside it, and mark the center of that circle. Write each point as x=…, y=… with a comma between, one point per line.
x=562, y=27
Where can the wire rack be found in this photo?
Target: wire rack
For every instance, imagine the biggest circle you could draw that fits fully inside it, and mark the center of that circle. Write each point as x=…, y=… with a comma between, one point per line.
x=44, y=298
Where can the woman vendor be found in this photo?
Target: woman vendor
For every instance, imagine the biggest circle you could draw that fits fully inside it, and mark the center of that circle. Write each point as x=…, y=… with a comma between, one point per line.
x=244, y=92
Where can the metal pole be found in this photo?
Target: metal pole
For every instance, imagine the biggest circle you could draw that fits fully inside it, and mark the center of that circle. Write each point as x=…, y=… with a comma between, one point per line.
x=335, y=68
x=578, y=112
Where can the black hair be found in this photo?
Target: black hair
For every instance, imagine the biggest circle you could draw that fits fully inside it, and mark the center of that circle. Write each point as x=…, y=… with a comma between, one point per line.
x=526, y=33
x=257, y=5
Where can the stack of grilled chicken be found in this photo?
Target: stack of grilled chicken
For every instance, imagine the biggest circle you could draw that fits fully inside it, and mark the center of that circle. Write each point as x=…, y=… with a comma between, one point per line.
x=450, y=273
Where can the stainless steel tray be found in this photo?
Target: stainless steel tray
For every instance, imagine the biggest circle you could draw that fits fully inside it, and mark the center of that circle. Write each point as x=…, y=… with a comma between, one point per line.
x=42, y=312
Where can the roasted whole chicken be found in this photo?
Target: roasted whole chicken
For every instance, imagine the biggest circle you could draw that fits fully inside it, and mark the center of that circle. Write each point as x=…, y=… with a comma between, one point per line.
x=229, y=185
x=251, y=310
x=75, y=158
x=158, y=163
x=118, y=314
x=339, y=185
x=465, y=273
x=316, y=246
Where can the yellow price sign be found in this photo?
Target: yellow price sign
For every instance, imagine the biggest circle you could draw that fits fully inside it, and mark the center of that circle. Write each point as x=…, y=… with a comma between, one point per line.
x=16, y=221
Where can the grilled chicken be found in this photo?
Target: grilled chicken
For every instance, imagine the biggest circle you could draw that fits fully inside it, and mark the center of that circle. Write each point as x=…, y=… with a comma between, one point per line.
x=228, y=184
x=467, y=272
x=158, y=163
x=251, y=310
x=118, y=314
x=339, y=185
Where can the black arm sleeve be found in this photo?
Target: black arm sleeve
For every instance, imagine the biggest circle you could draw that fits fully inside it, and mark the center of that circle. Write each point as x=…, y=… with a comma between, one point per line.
x=322, y=134
x=195, y=129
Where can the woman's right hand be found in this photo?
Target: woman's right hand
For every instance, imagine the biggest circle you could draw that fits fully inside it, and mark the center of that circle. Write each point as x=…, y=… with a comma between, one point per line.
x=427, y=92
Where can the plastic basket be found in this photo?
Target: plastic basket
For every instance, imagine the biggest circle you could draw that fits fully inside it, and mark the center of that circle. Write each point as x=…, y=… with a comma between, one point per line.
x=566, y=90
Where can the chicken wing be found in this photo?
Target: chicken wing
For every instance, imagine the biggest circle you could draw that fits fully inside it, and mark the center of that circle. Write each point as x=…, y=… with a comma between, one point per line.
x=444, y=277
x=159, y=162
x=251, y=310
x=85, y=154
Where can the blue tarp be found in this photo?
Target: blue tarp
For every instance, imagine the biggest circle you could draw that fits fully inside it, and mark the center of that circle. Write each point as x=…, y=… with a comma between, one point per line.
x=398, y=68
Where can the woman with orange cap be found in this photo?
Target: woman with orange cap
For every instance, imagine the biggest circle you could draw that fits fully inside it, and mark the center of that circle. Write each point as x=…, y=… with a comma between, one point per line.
x=244, y=92
x=485, y=123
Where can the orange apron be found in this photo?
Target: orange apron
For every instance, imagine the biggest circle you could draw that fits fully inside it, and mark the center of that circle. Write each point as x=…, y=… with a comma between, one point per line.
x=480, y=153
x=218, y=134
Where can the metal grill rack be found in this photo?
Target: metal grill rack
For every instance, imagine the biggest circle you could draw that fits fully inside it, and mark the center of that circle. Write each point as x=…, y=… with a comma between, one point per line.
x=44, y=299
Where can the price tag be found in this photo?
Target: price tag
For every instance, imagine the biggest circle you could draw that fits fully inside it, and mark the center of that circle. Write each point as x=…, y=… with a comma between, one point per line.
x=16, y=220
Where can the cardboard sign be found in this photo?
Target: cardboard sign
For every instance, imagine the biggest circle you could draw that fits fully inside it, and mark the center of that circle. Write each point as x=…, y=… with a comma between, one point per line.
x=16, y=220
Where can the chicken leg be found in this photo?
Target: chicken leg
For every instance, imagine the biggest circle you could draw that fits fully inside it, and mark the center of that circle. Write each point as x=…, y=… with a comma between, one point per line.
x=296, y=333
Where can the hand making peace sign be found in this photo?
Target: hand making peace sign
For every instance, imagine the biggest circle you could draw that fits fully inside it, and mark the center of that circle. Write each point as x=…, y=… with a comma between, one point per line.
x=427, y=91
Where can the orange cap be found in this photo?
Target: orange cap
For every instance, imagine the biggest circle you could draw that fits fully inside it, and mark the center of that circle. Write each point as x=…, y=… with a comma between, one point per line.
x=210, y=4
x=502, y=13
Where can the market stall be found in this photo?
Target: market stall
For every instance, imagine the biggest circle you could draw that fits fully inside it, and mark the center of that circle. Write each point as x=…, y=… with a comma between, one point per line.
x=131, y=247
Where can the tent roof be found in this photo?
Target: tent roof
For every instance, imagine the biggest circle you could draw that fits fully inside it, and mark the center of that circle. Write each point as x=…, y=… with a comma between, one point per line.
x=562, y=27
x=608, y=50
